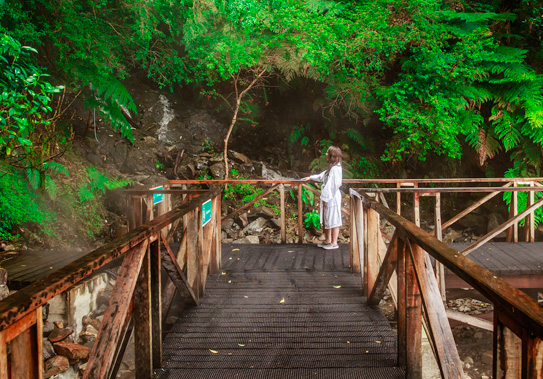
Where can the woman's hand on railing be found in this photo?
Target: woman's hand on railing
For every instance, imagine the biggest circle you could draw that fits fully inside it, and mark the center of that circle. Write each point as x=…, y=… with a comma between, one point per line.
x=306, y=179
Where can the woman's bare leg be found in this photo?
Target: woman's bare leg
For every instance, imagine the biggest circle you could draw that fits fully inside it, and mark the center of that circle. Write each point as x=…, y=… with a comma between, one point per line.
x=327, y=234
x=334, y=235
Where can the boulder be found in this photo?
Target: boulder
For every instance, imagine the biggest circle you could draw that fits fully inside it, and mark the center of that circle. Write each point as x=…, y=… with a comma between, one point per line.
x=59, y=334
x=243, y=219
x=217, y=170
x=56, y=365
x=48, y=327
x=72, y=351
x=253, y=239
x=238, y=157
x=88, y=333
x=256, y=226
x=47, y=349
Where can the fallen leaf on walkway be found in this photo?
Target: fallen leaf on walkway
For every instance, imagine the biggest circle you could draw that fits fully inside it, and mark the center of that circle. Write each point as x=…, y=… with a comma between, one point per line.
x=235, y=249
x=337, y=286
x=214, y=351
x=246, y=297
x=377, y=341
x=291, y=251
x=223, y=273
x=229, y=281
x=241, y=344
x=282, y=301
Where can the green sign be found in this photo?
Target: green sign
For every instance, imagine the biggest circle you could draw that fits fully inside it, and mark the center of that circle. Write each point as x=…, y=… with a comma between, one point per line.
x=158, y=197
x=206, y=212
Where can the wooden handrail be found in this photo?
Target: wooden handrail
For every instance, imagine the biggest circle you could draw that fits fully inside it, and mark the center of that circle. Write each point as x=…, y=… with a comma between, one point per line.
x=515, y=312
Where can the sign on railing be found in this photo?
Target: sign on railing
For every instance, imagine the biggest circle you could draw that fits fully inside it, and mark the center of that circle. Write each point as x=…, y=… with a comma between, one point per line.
x=206, y=212
x=158, y=197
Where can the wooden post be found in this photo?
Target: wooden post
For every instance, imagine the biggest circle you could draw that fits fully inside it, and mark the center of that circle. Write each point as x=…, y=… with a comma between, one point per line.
x=413, y=322
x=4, y=374
x=531, y=219
x=193, y=275
x=215, y=259
x=532, y=356
x=300, y=216
x=26, y=347
x=402, y=307
x=354, y=249
x=143, y=331
x=371, y=250
x=156, y=303
x=416, y=208
x=398, y=200
x=283, y=216
x=512, y=233
x=201, y=252
x=507, y=351
x=440, y=269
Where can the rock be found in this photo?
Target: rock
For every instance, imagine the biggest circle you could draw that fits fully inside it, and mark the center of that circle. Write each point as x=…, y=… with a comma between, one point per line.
x=276, y=222
x=244, y=220
x=73, y=351
x=451, y=235
x=256, y=226
x=469, y=360
x=241, y=240
x=59, y=334
x=56, y=365
x=58, y=324
x=82, y=368
x=238, y=157
x=88, y=333
x=227, y=240
x=217, y=170
x=223, y=235
x=268, y=212
x=253, y=239
x=47, y=349
x=48, y=327
x=487, y=357
x=227, y=225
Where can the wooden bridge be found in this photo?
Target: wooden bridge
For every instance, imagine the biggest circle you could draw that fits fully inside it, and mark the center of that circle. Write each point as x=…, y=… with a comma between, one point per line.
x=282, y=311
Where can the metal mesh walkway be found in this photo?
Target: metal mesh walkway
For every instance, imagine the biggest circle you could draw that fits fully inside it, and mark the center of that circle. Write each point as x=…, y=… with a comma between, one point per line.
x=300, y=323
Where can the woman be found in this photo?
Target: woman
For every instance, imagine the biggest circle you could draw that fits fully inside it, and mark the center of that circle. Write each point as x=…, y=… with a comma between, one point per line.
x=330, y=197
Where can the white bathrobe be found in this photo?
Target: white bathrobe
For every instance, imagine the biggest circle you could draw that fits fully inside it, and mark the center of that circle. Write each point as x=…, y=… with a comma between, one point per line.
x=330, y=193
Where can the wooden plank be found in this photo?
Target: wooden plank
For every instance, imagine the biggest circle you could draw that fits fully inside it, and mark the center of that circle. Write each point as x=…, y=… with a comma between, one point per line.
x=201, y=252
x=438, y=325
x=398, y=200
x=177, y=276
x=283, y=216
x=250, y=203
x=393, y=282
x=402, y=308
x=300, y=216
x=372, y=249
x=416, y=209
x=143, y=330
x=126, y=333
x=413, y=318
x=388, y=266
x=353, y=245
x=215, y=262
x=109, y=335
x=360, y=234
x=469, y=320
x=507, y=352
x=501, y=228
x=24, y=356
x=531, y=218
x=20, y=326
x=4, y=374
x=193, y=275
x=532, y=356
x=156, y=303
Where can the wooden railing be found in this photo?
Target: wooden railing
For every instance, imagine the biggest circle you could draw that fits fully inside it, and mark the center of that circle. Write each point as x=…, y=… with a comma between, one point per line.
x=417, y=188
x=406, y=269
x=136, y=302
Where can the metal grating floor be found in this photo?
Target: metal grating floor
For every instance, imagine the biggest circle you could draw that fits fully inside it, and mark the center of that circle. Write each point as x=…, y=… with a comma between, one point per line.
x=302, y=323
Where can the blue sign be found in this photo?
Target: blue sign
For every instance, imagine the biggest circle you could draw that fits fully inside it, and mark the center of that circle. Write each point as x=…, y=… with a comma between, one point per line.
x=206, y=212
x=158, y=197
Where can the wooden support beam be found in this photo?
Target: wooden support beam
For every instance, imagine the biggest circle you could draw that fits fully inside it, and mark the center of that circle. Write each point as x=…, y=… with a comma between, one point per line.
x=300, y=216
x=413, y=321
x=176, y=275
x=125, y=335
x=4, y=374
x=471, y=208
x=143, y=331
x=501, y=228
x=371, y=250
x=356, y=210
x=109, y=335
x=388, y=266
x=439, y=329
x=193, y=273
x=156, y=303
x=469, y=320
x=402, y=308
x=532, y=356
x=215, y=260
x=507, y=351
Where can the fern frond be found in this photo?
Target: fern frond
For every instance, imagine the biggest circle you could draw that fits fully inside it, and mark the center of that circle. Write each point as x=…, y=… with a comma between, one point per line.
x=357, y=137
